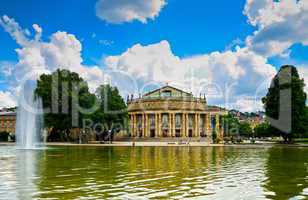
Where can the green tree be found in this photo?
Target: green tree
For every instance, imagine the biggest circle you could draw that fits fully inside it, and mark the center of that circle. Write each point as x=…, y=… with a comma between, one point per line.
x=287, y=79
x=64, y=95
x=113, y=109
x=263, y=130
x=305, y=135
x=230, y=125
x=4, y=136
x=245, y=129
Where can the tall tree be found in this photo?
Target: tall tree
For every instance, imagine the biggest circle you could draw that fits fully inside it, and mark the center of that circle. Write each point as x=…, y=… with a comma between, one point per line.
x=245, y=129
x=305, y=135
x=64, y=94
x=263, y=130
x=230, y=125
x=113, y=108
x=287, y=79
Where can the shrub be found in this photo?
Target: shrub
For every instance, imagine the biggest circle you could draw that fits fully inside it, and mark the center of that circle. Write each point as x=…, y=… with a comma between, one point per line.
x=4, y=136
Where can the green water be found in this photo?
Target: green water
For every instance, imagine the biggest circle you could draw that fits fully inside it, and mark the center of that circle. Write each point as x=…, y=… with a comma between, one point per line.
x=154, y=173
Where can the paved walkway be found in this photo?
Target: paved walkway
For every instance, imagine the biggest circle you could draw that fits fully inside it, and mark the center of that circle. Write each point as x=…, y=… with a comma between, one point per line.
x=149, y=144
x=140, y=144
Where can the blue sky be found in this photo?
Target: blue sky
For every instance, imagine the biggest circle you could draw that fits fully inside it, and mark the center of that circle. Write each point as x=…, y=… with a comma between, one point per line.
x=194, y=30
x=218, y=42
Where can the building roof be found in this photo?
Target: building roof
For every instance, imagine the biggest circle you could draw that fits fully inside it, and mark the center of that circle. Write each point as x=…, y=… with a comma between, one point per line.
x=7, y=113
x=167, y=87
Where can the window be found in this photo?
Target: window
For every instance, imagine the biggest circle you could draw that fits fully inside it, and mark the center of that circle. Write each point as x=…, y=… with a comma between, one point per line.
x=190, y=121
x=165, y=120
x=139, y=121
x=178, y=121
x=166, y=93
x=152, y=121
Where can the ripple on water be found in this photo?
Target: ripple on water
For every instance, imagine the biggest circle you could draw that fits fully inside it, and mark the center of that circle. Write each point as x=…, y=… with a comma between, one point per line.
x=125, y=173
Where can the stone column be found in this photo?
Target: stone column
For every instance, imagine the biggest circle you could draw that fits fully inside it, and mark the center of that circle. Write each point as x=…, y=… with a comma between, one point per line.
x=196, y=125
x=148, y=128
x=132, y=125
x=146, y=125
x=205, y=124
x=170, y=125
x=200, y=119
x=199, y=123
x=142, y=125
x=135, y=125
x=159, y=125
x=156, y=124
x=183, y=125
x=186, y=124
x=173, y=124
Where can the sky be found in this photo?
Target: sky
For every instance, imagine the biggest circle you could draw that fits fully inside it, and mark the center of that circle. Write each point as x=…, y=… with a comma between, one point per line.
x=227, y=50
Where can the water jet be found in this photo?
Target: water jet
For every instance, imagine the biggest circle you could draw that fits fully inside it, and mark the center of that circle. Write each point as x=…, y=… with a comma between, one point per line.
x=29, y=122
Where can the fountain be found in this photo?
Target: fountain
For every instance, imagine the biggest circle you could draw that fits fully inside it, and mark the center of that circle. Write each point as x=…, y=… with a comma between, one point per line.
x=29, y=119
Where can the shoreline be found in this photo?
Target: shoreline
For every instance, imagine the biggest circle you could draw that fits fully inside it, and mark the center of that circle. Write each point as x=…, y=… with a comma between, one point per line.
x=163, y=144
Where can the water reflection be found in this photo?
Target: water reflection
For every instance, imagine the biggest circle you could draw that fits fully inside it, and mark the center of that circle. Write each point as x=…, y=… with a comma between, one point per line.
x=287, y=172
x=154, y=173
x=18, y=173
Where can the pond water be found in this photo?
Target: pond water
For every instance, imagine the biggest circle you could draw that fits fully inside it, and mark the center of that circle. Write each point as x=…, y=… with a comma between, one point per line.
x=154, y=173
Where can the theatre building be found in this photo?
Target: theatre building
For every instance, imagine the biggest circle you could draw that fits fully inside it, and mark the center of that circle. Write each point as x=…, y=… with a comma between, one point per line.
x=171, y=112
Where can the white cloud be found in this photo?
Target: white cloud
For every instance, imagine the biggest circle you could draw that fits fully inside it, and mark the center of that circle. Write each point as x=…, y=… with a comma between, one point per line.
x=247, y=104
x=6, y=68
x=280, y=25
x=38, y=31
x=12, y=27
x=7, y=99
x=36, y=57
x=119, y=11
x=303, y=72
x=267, y=12
x=241, y=72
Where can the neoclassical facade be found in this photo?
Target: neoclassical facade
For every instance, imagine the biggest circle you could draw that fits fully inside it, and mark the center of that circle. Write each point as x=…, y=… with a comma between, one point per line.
x=170, y=112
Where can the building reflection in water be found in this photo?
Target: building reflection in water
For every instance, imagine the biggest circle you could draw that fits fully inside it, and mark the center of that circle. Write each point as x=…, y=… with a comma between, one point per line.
x=152, y=172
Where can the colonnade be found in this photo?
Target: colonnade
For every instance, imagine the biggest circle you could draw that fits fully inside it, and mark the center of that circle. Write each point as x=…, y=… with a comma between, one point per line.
x=178, y=124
